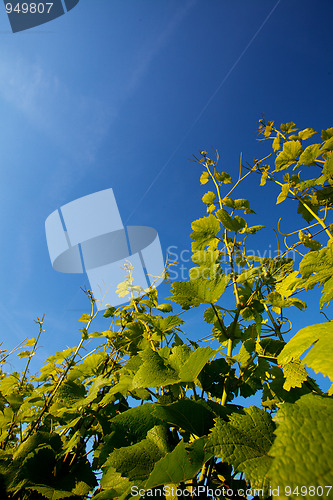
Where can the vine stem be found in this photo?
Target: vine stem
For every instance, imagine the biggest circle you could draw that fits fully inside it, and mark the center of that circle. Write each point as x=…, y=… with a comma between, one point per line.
x=276, y=327
x=40, y=322
x=62, y=377
x=314, y=215
x=225, y=392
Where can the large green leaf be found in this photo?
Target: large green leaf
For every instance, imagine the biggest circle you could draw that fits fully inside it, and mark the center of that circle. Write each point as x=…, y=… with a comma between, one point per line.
x=302, y=450
x=137, y=461
x=198, y=291
x=154, y=371
x=182, y=464
x=135, y=422
x=288, y=155
x=320, y=338
x=244, y=443
x=204, y=231
x=171, y=366
x=195, y=363
x=195, y=417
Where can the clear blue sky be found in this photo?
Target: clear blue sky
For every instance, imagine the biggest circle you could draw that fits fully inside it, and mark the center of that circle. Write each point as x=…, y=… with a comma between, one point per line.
x=121, y=93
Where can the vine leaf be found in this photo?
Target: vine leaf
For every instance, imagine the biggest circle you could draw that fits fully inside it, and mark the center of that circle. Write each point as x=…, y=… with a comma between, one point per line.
x=171, y=366
x=204, y=232
x=303, y=426
x=113, y=484
x=316, y=269
x=320, y=338
x=232, y=224
x=51, y=493
x=288, y=155
x=195, y=417
x=295, y=374
x=284, y=193
x=244, y=443
x=182, y=464
x=309, y=155
x=198, y=291
x=137, y=461
x=278, y=303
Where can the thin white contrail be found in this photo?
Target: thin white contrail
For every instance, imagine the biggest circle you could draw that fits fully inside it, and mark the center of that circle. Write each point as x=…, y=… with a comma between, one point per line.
x=204, y=108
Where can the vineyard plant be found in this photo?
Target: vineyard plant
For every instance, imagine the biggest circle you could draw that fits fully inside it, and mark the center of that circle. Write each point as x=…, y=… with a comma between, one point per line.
x=153, y=412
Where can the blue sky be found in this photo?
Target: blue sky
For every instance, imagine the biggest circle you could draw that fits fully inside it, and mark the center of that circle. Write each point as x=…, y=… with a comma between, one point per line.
x=121, y=93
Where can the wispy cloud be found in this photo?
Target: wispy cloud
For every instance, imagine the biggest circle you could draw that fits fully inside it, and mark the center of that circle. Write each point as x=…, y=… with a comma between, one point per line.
x=148, y=51
x=74, y=121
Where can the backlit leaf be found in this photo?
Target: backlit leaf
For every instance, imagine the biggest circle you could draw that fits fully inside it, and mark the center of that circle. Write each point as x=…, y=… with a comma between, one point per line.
x=320, y=338
x=244, y=442
x=290, y=151
x=305, y=425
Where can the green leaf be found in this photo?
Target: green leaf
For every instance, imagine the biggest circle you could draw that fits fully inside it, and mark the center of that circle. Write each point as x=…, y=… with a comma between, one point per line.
x=316, y=268
x=295, y=374
x=302, y=450
x=198, y=291
x=136, y=422
x=320, y=338
x=30, y=342
x=182, y=464
x=327, y=134
x=51, y=493
x=109, y=313
x=309, y=155
x=195, y=417
x=171, y=366
x=24, y=354
x=244, y=443
x=254, y=229
x=288, y=284
x=328, y=169
x=276, y=145
x=278, y=302
x=154, y=371
x=241, y=204
x=306, y=133
x=228, y=202
x=38, y=440
x=284, y=193
x=190, y=370
x=327, y=146
x=85, y=318
x=164, y=308
x=137, y=461
x=308, y=241
x=304, y=211
x=204, y=177
x=288, y=155
x=263, y=179
x=209, y=198
x=327, y=292
x=288, y=127
x=224, y=177
x=204, y=231
x=70, y=392
x=227, y=221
